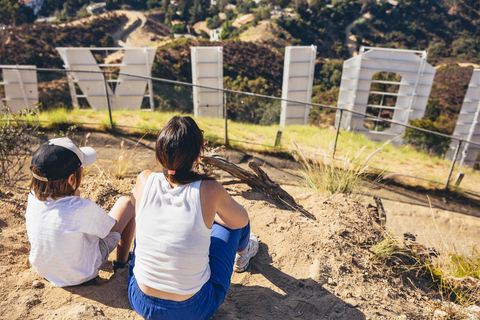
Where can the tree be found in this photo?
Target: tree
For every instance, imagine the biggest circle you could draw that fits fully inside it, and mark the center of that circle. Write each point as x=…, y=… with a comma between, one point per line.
x=428, y=142
x=165, y=4
x=169, y=15
x=112, y=4
x=10, y=12
x=213, y=23
x=179, y=28
x=184, y=8
x=153, y=4
x=227, y=30
x=331, y=74
x=197, y=12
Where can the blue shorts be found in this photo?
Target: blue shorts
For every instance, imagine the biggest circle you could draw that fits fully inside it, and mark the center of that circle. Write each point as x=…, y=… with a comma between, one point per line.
x=224, y=244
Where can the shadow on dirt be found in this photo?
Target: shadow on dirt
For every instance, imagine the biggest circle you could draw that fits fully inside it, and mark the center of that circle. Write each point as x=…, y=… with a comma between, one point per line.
x=285, y=297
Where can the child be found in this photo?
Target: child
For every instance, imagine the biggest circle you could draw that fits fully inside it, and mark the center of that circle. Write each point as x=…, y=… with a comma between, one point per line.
x=71, y=238
x=191, y=234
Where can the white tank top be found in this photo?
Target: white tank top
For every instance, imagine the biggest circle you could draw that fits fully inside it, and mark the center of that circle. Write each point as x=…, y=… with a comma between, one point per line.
x=172, y=241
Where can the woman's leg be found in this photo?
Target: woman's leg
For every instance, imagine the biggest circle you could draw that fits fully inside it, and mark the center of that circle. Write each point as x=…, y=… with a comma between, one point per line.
x=224, y=244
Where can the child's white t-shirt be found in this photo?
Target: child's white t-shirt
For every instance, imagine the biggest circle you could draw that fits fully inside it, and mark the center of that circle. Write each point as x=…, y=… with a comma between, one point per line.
x=64, y=235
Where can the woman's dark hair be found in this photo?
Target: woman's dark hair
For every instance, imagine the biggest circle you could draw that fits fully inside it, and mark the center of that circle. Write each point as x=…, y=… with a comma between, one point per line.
x=178, y=146
x=54, y=189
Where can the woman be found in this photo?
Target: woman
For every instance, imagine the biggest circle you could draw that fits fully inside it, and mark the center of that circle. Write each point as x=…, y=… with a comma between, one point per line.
x=190, y=233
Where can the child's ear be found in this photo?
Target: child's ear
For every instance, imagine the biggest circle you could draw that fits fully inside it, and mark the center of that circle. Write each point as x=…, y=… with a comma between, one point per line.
x=71, y=179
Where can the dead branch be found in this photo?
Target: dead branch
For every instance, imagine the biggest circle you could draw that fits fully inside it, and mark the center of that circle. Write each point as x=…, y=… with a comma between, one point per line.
x=258, y=180
x=382, y=216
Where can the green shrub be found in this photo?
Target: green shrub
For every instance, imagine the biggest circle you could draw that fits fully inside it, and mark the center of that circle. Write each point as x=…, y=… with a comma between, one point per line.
x=425, y=141
x=179, y=28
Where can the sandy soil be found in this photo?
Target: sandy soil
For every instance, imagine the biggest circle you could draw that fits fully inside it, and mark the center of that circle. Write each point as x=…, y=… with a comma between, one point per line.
x=305, y=269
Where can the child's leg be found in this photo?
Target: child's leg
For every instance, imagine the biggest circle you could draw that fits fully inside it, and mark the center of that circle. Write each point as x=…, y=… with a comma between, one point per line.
x=124, y=213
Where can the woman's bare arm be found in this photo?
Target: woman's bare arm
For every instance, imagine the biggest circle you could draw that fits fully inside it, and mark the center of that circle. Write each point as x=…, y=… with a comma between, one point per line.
x=219, y=206
x=137, y=192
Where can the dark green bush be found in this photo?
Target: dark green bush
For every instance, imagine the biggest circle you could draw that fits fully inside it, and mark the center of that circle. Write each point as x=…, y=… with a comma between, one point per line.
x=425, y=141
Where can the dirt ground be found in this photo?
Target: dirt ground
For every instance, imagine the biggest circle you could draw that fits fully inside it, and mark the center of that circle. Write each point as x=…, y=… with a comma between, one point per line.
x=306, y=268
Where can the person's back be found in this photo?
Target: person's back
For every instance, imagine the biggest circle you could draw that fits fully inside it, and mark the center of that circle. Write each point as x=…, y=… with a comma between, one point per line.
x=189, y=231
x=64, y=234
x=171, y=234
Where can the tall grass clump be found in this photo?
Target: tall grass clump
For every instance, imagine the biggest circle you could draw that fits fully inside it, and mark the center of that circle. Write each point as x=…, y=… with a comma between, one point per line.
x=460, y=266
x=327, y=175
x=455, y=277
x=387, y=248
x=124, y=160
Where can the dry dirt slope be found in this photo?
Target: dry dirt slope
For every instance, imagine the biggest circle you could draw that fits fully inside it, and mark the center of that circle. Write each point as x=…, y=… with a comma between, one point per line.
x=305, y=269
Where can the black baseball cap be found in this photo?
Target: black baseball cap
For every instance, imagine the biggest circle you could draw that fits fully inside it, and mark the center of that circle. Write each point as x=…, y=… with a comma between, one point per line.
x=59, y=158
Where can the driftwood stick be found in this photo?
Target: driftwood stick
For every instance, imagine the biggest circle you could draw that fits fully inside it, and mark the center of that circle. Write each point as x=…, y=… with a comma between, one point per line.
x=261, y=174
x=382, y=216
x=242, y=174
x=272, y=186
x=260, y=180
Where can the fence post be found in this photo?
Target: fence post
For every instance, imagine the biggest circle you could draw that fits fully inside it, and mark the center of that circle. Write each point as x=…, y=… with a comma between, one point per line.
x=453, y=164
x=278, y=138
x=226, y=117
x=337, y=133
x=459, y=178
x=108, y=100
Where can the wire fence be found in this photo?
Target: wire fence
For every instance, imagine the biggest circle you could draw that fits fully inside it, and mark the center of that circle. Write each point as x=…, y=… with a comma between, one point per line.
x=172, y=95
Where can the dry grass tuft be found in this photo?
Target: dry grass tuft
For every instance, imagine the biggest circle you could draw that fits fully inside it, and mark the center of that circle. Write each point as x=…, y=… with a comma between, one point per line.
x=124, y=160
x=330, y=176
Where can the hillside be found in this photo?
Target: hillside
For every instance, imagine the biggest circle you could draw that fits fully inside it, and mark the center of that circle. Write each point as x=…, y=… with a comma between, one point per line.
x=305, y=269
x=35, y=43
x=253, y=54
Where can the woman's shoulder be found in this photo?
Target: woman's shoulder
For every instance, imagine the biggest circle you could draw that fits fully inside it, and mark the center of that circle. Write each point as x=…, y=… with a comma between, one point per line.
x=143, y=176
x=211, y=183
x=211, y=186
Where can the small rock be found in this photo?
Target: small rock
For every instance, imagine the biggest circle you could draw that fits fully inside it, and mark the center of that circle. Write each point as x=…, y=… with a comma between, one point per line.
x=351, y=302
x=82, y=311
x=402, y=317
x=331, y=282
x=32, y=302
x=37, y=284
x=440, y=315
x=474, y=308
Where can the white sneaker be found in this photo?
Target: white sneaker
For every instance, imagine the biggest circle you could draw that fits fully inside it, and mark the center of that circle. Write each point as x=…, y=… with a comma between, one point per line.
x=243, y=260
